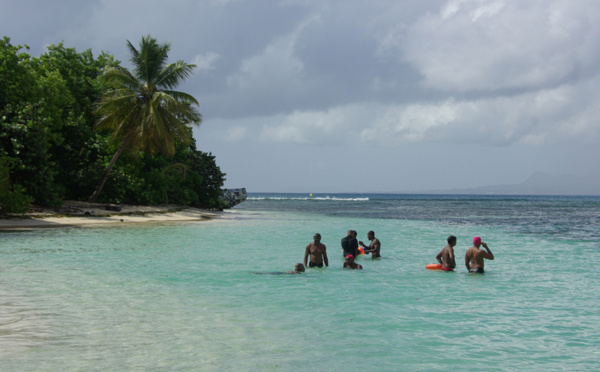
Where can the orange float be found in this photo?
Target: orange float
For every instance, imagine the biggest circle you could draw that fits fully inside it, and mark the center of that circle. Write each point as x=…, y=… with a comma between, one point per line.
x=361, y=250
x=436, y=266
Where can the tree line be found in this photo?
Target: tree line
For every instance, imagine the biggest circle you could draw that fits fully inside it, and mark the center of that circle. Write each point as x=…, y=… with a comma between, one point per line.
x=78, y=127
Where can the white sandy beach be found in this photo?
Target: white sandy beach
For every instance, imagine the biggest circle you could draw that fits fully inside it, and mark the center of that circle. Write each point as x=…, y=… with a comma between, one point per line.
x=74, y=213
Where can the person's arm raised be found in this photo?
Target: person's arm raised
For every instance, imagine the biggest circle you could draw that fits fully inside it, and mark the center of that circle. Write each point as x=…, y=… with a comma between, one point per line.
x=489, y=255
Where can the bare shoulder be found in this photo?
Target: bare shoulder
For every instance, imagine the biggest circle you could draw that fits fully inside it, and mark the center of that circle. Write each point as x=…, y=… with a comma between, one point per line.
x=482, y=253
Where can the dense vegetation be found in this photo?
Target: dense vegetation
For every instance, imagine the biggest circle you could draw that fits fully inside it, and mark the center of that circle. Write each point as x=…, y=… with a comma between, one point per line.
x=50, y=150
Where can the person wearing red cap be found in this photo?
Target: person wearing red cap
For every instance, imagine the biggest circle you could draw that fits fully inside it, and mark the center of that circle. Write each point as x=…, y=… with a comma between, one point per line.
x=474, y=256
x=350, y=263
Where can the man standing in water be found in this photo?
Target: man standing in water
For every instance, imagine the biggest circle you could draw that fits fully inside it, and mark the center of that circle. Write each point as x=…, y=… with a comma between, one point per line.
x=474, y=257
x=446, y=255
x=350, y=244
x=317, y=252
x=374, y=247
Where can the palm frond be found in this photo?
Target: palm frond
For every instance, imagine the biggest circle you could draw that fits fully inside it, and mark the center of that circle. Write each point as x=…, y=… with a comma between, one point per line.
x=173, y=74
x=120, y=77
x=182, y=109
x=182, y=97
x=150, y=59
x=140, y=108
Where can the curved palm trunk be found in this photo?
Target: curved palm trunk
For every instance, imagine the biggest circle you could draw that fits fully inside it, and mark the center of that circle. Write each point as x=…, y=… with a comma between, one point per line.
x=94, y=196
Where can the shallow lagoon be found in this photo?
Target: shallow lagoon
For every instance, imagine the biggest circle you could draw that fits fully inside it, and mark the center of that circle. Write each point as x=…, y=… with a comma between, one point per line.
x=188, y=296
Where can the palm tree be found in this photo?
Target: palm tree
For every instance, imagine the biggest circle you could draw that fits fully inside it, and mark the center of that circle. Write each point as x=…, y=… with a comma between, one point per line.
x=141, y=110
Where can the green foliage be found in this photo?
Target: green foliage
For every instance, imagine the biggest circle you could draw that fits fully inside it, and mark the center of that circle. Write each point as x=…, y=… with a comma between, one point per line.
x=50, y=150
x=81, y=145
x=22, y=141
x=12, y=197
x=208, y=176
x=47, y=117
x=140, y=109
x=191, y=177
x=15, y=201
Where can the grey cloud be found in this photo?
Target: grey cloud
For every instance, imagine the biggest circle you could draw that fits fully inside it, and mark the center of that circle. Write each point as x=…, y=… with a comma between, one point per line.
x=499, y=72
x=42, y=23
x=489, y=46
x=399, y=76
x=328, y=60
x=533, y=118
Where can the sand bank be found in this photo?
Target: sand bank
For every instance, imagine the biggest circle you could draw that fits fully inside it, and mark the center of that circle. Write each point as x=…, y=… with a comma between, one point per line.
x=74, y=213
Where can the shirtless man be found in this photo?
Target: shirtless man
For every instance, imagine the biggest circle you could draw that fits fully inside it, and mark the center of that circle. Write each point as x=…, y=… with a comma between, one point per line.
x=446, y=255
x=317, y=252
x=474, y=257
x=350, y=263
x=374, y=247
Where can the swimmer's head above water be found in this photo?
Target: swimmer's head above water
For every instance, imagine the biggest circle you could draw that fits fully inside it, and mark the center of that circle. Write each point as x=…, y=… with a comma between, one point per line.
x=477, y=241
x=299, y=268
x=452, y=240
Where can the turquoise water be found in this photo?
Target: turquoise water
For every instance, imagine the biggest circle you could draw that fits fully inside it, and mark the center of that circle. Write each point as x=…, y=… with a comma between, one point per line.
x=188, y=296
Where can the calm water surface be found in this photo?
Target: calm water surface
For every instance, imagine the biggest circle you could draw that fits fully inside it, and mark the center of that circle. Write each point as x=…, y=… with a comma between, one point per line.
x=190, y=297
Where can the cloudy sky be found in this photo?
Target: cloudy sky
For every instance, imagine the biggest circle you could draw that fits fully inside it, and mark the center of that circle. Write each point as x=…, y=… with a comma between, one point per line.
x=364, y=96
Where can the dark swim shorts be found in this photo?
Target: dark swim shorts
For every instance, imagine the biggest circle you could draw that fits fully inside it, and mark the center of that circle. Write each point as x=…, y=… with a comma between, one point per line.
x=312, y=264
x=447, y=269
x=476, y=270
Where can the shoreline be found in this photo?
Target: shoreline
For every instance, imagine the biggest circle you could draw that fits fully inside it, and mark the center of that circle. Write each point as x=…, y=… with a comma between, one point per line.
x=75, y=213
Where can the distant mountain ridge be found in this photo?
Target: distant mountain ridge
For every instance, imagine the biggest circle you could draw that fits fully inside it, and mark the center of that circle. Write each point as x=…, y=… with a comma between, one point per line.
x=538, y=183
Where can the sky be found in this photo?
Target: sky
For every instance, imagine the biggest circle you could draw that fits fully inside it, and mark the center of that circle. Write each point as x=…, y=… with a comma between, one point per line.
x=363, y=96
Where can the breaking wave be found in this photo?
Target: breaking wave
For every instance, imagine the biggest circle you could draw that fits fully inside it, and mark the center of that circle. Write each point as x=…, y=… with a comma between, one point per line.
x=317, y=198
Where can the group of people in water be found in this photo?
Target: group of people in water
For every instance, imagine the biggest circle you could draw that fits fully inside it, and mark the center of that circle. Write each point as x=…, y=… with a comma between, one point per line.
x=315, y=254
x=473, y=258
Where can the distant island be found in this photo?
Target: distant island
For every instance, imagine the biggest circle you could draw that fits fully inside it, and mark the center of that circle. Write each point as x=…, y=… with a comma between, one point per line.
x=538, y=183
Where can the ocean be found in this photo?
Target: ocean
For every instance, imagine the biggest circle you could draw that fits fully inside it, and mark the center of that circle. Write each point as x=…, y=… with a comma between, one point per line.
x=215, y=295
